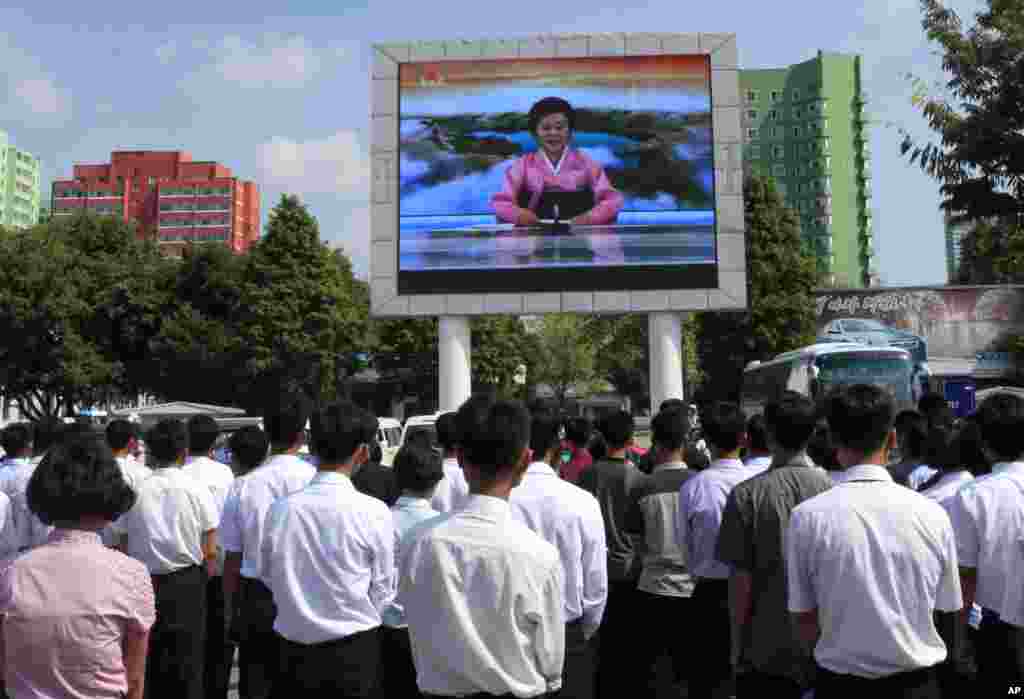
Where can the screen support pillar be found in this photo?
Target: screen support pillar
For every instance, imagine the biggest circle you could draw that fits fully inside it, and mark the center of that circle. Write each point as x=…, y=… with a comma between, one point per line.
x=664, y=332
x=453, y=347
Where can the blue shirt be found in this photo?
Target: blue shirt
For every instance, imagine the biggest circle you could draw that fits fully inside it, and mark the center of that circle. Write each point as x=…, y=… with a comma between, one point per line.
x=406, y=513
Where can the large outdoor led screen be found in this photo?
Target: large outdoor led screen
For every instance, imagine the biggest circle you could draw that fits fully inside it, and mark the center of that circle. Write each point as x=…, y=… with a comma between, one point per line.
x=554, y=174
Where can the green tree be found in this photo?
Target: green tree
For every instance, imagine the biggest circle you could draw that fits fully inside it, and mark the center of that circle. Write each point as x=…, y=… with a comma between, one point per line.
x=301, y=312
x=781, y=280
x=622, y=352
x=499, y=345
x=565, y=357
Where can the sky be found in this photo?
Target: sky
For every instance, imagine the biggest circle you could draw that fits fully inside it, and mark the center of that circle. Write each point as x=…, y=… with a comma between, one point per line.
x=279, y=92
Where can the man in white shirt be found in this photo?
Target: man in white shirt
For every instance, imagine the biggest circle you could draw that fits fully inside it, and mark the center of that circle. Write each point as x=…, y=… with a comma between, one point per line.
x=869, y=563
x=172, y=530
x=988, y=518
x=483, y=594
x=568, y=517
x=217, y=477
x=759, y=454
x=327, y=555
x=15, y=471
x=418, y=470
x=453, y=491
x=123, y=442
x=251, y=615
x=701, y=503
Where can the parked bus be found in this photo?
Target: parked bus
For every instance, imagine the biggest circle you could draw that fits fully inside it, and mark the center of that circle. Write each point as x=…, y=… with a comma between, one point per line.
x=815, y=370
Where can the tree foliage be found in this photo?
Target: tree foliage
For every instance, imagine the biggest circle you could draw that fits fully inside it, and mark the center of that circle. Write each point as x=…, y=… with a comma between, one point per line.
x=781, y=280
x=565, y=357
x=499, y=346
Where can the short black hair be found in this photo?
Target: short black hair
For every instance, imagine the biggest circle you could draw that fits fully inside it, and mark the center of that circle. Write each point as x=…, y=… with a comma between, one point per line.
x=120, y=433
x=285, y=419
x=339, y=429
x=166, y=440
x=936, y=410
x=547, y=107
x=470, y=417
x=757, y=432
x=860, y=417
x=76, y=479
x=447, y=431
x=16, y=438
x=617, y=428
x=822, y=449
x=724, y=426
x=46, y=433
x=417, y=469
x=202, y=433
x=597, y=445
x=791, y=420
x=672, y=404
x=1001, y=418
x=249, y=447
x=912, y=430
x=578, y=430
x=497, y=442
x=966, y=450
x=669, y=428
x=545, y=427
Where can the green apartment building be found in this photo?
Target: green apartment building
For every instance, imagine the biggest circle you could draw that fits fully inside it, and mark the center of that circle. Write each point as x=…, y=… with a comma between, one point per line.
x=805, y=126
x=19, y=186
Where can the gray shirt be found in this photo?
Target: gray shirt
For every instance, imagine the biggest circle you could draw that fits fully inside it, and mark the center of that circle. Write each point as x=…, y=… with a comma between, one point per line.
x=615, y=483
x=752, y=539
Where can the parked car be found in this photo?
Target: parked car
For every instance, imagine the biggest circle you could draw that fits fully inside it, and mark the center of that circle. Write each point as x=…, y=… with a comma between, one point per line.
x=421, y=425
x=867, y=331
x=389, y=436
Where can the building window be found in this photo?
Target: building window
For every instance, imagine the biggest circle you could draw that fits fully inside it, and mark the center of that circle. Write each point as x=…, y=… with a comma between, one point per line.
x=751, y=133
x=751, y=95
x=779, y=152
x=755, y=151
x=751, y=113
x=826, y=144
x=796, y=132
x=776, y=132
x=779, y=170
x=776, y=95
x=798, y=113
x=773, y=115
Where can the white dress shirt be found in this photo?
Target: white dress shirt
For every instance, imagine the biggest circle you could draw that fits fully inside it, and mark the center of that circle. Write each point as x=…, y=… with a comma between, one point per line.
x=483, y=599
x=453, y=490
x=214, y=475
x=132, y=471
x=8, y=535
x=701, y=503
x=948, y=486
x=569, y=518
x=328, y=555
x=988, y=518
x=249, y=499
x=27, y=531
x=875, y=560
x=406, y=513
x=165, y=528
x=758, y=464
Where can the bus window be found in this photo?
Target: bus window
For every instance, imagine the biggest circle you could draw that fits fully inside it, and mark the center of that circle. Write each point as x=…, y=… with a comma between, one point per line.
x=889, y=371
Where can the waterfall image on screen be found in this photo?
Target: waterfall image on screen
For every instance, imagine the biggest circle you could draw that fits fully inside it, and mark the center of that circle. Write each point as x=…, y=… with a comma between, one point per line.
x=553, y=174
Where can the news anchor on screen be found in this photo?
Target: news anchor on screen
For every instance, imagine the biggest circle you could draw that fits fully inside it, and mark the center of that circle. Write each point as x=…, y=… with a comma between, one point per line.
x=557, y=182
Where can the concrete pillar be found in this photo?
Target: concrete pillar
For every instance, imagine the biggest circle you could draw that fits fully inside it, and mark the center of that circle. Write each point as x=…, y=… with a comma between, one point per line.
x=454, y=353
x=664, y=331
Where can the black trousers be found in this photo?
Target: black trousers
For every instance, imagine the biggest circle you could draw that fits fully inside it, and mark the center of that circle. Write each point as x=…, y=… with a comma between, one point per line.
x=252, y=628
x=918, y=684
x=711, y=669
x=396, y=674
x=579, y=673
x=174, y=665
x=617, y=644
x=341, y=669
x=668, y=619
x=220, y=652
x=754, y=683
x=999, y=653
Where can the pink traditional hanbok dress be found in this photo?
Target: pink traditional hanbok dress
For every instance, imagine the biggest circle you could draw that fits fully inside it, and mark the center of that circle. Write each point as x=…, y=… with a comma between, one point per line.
x=576, y=184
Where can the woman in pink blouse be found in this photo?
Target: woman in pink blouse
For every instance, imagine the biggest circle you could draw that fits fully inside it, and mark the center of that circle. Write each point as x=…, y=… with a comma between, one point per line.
x=75, y=615
x=559, y=182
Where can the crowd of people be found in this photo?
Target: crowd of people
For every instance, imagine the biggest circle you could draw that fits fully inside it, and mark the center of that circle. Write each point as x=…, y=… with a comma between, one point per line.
x=837, y=549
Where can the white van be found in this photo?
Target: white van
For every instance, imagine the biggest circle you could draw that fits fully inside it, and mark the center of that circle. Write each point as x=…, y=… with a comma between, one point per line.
x=389, y=435
x=421, y=424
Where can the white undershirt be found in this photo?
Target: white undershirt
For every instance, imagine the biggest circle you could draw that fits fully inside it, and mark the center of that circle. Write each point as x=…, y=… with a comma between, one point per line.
x=555, y=167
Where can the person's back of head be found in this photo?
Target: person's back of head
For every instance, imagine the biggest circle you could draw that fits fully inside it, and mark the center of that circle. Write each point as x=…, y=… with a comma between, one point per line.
x=16, y=440
x=791, y=421
x=447, y=432
x=967, y=451
x=617, y=428
x=120, y=434
x=470, y=417
x=545, y=429
x=936, y=411
x=417, y=470
x=249, y=447
x=76, y=480
x=860, y=419
x=285, y=420
x=420, y=438
x=724, y=427
x=341, y=433
x=912, y=434
x=577, y=431
x=669, y=429
x=496, y=447
x=757, y=435
x=1001, y=418
x=202, y=434
x=46, y=433
x=822, y=449
x=672, y=404
x=597, y=446
x=167, y=442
